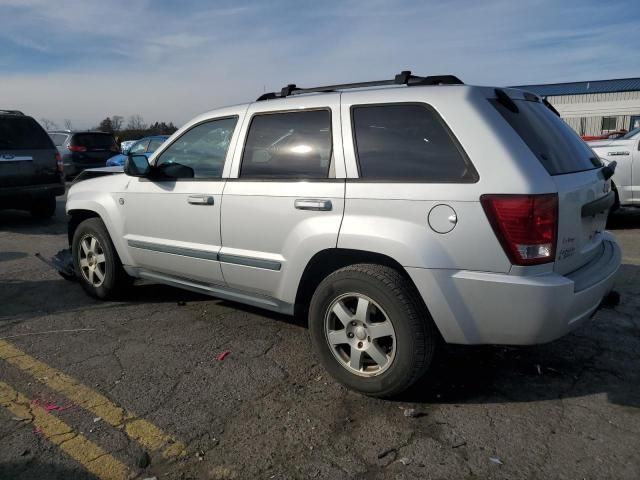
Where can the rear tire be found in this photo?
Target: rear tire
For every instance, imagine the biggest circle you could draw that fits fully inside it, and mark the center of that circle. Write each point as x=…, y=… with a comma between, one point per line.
x=370, y=329
x=96, y=262
x=44, y=207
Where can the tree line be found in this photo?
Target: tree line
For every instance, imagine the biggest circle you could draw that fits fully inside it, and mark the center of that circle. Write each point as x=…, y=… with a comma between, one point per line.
x=134, y=128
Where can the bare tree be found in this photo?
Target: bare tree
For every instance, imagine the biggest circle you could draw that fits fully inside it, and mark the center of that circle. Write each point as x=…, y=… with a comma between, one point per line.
x=116, y=123
x=136, y=122
x=47, y=123
x=67, y=124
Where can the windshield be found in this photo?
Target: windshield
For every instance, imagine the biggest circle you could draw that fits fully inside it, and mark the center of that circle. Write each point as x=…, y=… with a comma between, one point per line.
x=630, y=134
x=94, y=140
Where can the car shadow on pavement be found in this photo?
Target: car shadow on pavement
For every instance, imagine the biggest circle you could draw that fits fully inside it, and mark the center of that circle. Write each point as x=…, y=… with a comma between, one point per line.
x=31, y=469
x=624, y=219
x=17, y=221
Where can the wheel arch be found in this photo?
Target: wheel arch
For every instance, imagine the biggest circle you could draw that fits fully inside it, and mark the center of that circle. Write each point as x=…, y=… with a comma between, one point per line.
x=329, y=260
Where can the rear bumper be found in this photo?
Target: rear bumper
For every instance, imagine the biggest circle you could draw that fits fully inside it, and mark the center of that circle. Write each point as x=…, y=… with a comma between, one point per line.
x=27, y=192
x=492, y=308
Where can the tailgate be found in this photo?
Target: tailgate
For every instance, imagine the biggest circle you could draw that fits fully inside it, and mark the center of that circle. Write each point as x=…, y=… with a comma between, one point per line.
x=584, y=200
x=27, y=167
x=27, y=154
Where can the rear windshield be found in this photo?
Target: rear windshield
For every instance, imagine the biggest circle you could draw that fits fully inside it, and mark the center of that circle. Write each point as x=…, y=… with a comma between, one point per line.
x=22, y=133
x=554, y=143
x=94, y=140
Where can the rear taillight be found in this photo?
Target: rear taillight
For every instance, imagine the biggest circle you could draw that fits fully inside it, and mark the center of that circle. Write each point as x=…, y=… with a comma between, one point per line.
x=526, y=225
x=59, y=164
x=77, y=148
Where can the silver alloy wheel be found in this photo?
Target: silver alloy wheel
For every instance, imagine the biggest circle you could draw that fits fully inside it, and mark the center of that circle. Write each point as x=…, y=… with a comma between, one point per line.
x=92, y=260
x=360, y=335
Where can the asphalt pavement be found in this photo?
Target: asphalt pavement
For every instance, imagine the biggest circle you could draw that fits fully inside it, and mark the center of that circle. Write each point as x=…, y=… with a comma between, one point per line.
x=137, y=389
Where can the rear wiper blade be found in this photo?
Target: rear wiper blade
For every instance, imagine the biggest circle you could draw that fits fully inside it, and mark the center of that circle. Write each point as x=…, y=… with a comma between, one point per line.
x=550, y=107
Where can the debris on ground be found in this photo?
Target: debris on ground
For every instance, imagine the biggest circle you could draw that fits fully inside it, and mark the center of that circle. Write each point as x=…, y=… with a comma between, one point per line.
x=539, y=369
x=222, y=355
x=405, y=461
x=458, y=445
x=386, y=452
x=496, y=460
x=144, y=460
x=97, y=419
x=49, y=406
x=181, y=303
x=413, y=413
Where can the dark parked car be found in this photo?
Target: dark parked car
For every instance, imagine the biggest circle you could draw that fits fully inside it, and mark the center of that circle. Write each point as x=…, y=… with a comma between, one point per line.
x=82, y=150
x=31, y=172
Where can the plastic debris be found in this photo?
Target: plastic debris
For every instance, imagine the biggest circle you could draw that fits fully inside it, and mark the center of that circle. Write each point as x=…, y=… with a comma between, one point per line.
x=405, y=461
x=144, y=460
x=413, y=413
x=386, y=452
x=49, y=406
x=222, y=355
x=496, y=460
x=97, y=419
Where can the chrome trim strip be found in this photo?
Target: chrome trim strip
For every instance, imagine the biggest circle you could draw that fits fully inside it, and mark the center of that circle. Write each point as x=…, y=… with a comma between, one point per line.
x=185, y=252
x=206, y=255
x=249, y=261
x=15, y=158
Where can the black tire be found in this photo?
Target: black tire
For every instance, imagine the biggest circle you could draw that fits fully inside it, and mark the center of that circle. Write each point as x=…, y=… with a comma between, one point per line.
x=416, y=336
x=44, y=207
x=115, y=280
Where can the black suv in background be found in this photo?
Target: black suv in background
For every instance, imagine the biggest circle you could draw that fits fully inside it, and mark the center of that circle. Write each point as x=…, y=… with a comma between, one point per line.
x=82, y=150
x=31, y=173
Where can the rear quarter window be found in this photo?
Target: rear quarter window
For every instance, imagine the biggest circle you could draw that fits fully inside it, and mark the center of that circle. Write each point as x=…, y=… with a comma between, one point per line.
x=23, y=133
x=558, y=148
x=408, y=142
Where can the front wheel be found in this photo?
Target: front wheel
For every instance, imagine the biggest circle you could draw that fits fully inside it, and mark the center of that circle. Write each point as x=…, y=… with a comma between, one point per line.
x=370, y=329
x=96, y=261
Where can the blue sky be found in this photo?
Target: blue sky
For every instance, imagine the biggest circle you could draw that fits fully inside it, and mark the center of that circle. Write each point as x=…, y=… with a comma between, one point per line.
x=83, y=60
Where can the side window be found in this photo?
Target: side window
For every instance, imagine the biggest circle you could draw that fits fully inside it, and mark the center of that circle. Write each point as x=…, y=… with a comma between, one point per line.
x=139, y=147
x=288, y=145
x=407, y=142
x=58, y=138
x=154, y=144
x=203, y=148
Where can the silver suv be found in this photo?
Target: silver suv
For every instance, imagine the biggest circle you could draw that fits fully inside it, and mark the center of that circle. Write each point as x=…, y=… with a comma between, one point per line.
x=392, y=214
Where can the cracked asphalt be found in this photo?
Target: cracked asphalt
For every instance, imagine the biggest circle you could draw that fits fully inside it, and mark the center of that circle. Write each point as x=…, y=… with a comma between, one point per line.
x=569, y=409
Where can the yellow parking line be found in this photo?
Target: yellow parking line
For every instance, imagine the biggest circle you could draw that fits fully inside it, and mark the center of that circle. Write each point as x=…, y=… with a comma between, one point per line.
x=136, y=428
x=87, y=453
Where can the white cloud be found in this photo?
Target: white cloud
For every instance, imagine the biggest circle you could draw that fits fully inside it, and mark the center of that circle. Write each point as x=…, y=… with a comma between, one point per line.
x=128, y=57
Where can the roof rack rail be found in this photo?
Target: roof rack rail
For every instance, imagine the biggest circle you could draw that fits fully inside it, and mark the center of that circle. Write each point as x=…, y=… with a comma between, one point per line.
x=403, y=78
x=11, y=112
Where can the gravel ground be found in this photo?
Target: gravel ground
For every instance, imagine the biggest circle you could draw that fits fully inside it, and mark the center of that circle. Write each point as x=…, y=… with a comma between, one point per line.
x=569, y=409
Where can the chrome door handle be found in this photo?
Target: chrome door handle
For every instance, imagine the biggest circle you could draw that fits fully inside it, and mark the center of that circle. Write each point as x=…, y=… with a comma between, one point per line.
x=200, y=200
x=313, y=204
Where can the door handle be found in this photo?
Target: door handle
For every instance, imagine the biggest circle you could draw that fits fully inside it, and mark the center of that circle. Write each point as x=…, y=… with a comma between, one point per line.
x=200, y=200
x=313, y=204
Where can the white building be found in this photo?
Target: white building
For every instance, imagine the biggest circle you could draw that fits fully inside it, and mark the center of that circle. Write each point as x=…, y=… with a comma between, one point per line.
x=596, y=107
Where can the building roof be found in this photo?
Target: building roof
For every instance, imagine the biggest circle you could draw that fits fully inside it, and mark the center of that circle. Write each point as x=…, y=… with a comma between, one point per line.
x=579, y=88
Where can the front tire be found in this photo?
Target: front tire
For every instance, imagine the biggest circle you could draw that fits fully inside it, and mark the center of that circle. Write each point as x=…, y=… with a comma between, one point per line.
x=96, y=262
x=371, y=330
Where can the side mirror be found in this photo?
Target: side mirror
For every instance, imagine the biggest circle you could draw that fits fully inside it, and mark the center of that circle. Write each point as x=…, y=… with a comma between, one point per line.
x=137, y=166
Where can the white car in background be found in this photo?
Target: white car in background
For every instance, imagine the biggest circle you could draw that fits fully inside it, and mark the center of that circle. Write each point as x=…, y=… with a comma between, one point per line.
x=625, y=151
